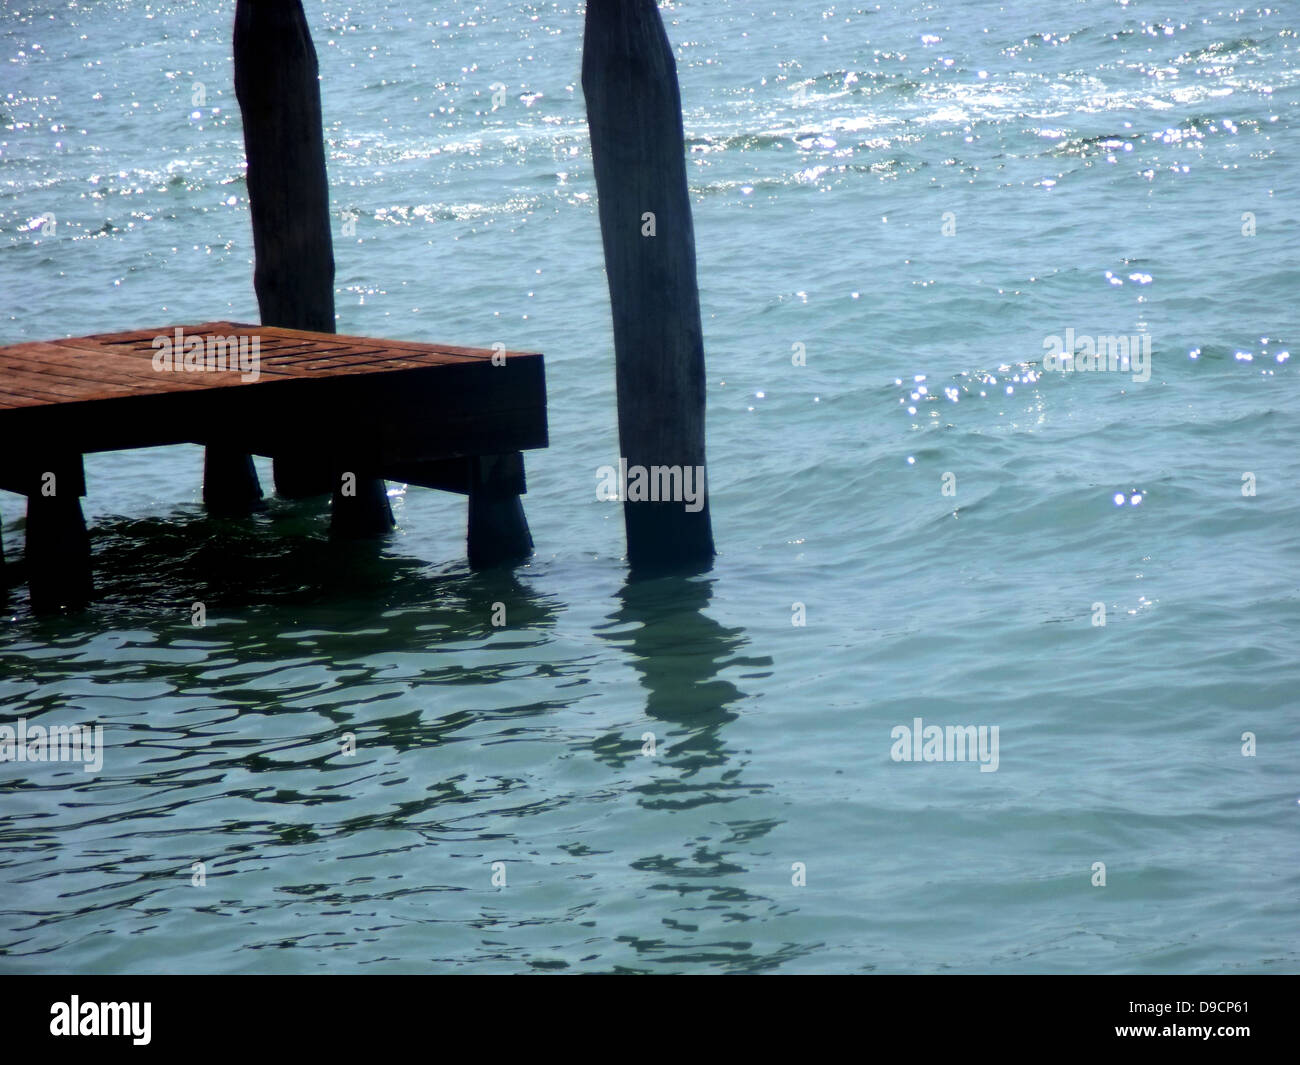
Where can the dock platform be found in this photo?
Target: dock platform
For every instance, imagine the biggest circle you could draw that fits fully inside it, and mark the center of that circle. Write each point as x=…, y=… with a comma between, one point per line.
x=338, y=414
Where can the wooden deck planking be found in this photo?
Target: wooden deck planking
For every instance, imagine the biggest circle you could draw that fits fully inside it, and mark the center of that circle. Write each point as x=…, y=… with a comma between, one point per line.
x=306, y=364
x=105, y=373
x=449, y=418
x=276, y=362
x=99, y=376
x=277, y=340
x=328, y=394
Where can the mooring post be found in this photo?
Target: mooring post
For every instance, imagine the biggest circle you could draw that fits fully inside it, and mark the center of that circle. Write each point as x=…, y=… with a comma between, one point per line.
x=498, y=531
x=58, y=546
x=278, y=88
x=634, y=113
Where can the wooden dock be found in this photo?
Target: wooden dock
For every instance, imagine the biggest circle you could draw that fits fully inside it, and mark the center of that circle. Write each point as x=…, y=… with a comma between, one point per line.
x=352, y=411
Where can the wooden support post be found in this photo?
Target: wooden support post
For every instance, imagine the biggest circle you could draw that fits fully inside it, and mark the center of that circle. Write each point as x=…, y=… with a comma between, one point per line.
x=58, y=546
x=278, y=88
x=297, y=477
x=360, y=507
x=230, y=484
x=498, y=531
x=629, y=79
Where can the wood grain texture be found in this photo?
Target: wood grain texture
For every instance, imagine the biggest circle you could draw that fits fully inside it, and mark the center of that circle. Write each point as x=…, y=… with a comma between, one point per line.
x=278, y=88
x=629, y=79
x=320, y=397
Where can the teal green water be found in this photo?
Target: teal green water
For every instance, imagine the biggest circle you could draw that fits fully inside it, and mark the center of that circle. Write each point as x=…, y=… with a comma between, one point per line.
x=919, y=195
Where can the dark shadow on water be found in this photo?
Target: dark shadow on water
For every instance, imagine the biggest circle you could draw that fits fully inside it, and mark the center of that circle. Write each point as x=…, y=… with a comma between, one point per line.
x=274, y=573
x=277, y=591
x=679, y=652
x=278, y=595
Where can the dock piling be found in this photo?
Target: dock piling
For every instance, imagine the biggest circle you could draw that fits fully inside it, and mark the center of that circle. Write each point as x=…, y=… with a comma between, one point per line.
x=276, y=83
x=629, y=79
x=278, y=86
x=58, y=546
x=498, y=531
x=359, y=509
x=230, y=484
x=296, y=477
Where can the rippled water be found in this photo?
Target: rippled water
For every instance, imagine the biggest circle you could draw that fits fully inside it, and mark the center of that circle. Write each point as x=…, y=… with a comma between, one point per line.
x=919, y=195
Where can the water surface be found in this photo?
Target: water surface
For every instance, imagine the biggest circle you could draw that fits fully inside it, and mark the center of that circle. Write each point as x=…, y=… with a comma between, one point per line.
x=918, y=194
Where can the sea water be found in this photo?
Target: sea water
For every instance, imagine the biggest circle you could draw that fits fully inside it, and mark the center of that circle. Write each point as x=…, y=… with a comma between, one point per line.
x=368, y=758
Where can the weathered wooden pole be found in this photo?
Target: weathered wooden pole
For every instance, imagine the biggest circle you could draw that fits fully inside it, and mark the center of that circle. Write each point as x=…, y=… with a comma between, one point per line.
x=58, y=546
x=278, y=88
x=498, y=531
x=359, y=508
x=634, y=112
x=230, y=484
x=277, y=84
